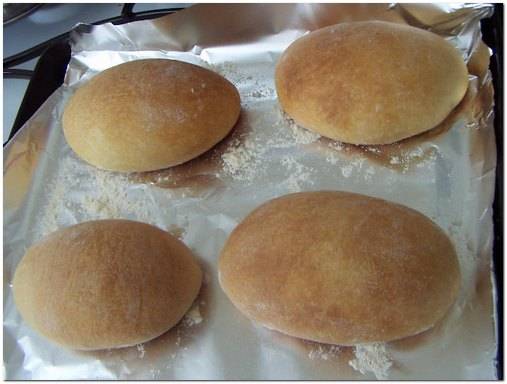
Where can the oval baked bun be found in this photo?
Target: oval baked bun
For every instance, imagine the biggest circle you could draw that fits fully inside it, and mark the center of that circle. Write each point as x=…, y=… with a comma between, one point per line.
x=149, y=114
x=370, y=82
x=340, y=268
x=106, y=284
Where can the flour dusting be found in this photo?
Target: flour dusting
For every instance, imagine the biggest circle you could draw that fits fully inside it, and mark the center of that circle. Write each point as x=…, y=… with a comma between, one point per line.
x=417, y=156
x=232, y=72
x=103, y=195
x=253, y=86
x=301, y=135
x=324, y=352
x=242, y=159
x=299, y=174
x=262, y=93
x=193, y=316
x=140, y=348
x=336, y=145
x=372, y=358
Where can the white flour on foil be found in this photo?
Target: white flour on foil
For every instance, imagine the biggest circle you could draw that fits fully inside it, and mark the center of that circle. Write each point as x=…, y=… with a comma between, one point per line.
x=192, y=318
x=243, y=159
x=324, y=352
x=299, y=174
x=368, y=358
x=106, y=196
x=372, y=358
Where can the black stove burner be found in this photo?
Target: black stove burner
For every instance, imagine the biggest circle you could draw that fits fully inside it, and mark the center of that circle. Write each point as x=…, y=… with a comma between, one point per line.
x=127, y=15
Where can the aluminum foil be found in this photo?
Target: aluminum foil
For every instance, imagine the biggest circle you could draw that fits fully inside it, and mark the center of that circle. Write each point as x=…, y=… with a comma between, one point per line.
x=447, y=174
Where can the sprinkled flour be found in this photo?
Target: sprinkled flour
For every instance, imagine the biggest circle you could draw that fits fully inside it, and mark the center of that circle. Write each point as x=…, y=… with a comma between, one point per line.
x=193, y=316
x=242, y=160
x=140, y=348
x=232, y=72
x=102, y=195
x=324, y=352
x=301, y=135
x=245, y=160
x=347, y=170
x=336, y=145
x=395, y=160
x=182, y=333
x=262, y=85
x=369, y=358
x=416, y=156
x=372, y=358
x=355, y=165
x=299, y=174
x=262, y=93
x=331, y=158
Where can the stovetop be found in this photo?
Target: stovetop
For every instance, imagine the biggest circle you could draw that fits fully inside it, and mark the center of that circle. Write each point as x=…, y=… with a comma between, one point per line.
x=44, y=23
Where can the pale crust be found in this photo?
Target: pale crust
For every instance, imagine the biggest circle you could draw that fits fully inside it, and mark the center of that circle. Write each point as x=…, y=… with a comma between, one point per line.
x=340, y=268
x=149, y=114
x=106, y=284
x=370, y=82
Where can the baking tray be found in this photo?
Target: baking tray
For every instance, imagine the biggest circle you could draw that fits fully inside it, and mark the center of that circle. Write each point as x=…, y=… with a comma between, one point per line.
x=50, y=71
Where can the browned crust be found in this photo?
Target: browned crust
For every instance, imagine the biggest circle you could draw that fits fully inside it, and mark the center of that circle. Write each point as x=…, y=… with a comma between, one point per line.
x=370, y=82
x=149, y=114
x=106, y=284
x=340, y=268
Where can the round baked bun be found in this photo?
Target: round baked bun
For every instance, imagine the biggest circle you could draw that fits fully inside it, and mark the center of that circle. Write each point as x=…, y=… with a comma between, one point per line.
x=149, y=114
x=340, y=268
x=370, y=82
x=106, y=284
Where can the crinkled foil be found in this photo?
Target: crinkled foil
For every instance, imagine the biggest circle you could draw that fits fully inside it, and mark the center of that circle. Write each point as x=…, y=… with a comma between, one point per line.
x=447, y=174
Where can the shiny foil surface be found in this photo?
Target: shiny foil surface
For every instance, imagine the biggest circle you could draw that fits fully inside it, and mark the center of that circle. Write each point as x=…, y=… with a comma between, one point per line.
x=447, y=173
